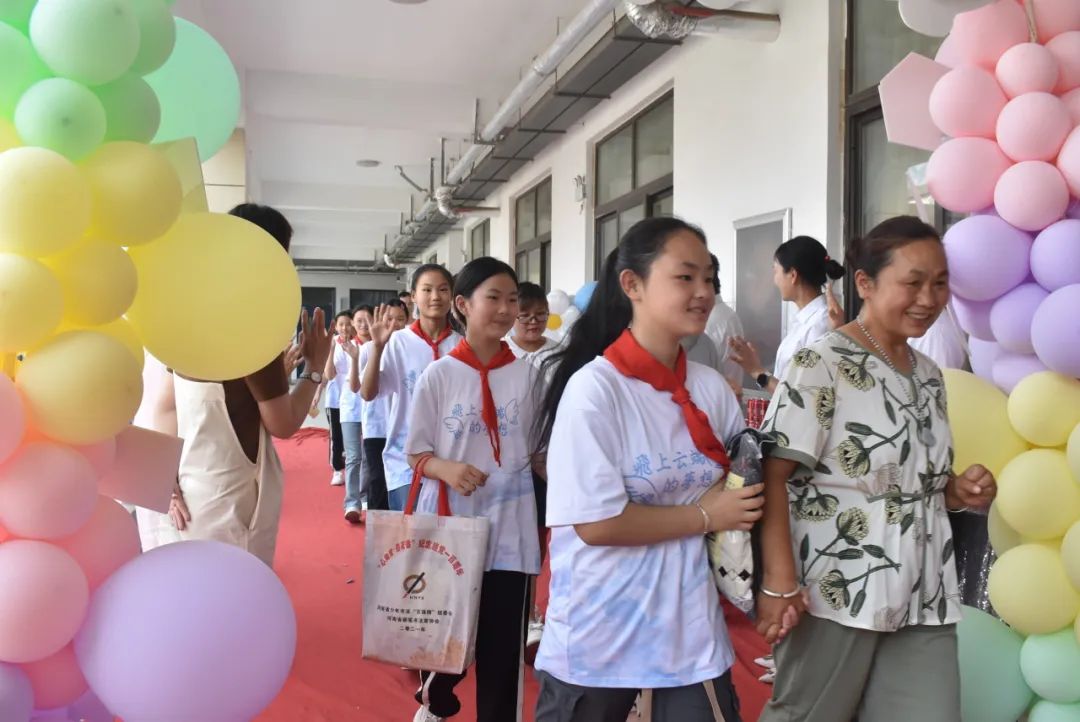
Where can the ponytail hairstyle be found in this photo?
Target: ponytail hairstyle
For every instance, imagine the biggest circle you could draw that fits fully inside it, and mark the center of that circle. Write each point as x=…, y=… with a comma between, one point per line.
x=429, y=268
x=810, y=259
x=609, y=311
x=874, y=251
x=472, y=276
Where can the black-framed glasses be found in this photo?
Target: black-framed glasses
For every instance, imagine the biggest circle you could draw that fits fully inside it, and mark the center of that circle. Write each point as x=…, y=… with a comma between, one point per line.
x=541, y=317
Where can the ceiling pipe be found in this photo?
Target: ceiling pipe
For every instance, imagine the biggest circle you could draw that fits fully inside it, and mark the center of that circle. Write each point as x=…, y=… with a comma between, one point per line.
x=544, y=65
x=444, y=199
x=676, y=22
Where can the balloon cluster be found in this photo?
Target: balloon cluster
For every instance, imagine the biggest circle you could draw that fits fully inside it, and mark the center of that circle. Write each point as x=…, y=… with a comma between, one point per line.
x=566, y=309
x=97, y=261
x=1011, y=107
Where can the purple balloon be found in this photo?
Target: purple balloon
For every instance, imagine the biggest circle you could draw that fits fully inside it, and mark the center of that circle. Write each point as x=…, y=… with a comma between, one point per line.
x=16, y=695
x=1010, y=317
x=1055, y=255
x=89, y=708
x=196, y=630
x=974, y=317
x=987, y=257
x=1012, y=368
x=1073, y=210
x=1055, y=331
x=982, y=356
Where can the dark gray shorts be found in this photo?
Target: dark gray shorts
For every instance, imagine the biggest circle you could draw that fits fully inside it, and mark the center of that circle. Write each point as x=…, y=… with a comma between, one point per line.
x=562, y=702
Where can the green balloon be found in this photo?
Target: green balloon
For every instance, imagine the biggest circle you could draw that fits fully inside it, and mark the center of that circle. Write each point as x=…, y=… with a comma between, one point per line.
x=19, y=68
x=1053, y=712
x=992, y=688
x=132, y=111
x=157, y=35
x=199, y=91
x=16, y=13
x=61, y=115
x=90, y=41
x=1051, y=665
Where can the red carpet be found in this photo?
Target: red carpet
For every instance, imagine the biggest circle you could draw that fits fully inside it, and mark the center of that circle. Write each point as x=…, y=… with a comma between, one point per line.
x=320, y=559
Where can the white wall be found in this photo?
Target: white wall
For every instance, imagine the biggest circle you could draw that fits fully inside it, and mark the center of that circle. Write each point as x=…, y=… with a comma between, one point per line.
x=757, y=129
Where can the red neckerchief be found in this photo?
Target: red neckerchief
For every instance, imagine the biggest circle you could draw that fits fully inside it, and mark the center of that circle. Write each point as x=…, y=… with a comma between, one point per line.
x=464, y=353
x=630, y=359
x=415, y=328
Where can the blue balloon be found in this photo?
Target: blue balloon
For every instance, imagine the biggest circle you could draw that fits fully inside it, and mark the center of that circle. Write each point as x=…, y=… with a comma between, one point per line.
x=16, y=695
x=584, y=294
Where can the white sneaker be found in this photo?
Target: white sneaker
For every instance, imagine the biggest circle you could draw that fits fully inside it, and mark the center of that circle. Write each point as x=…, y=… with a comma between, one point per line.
x=536, y=630
x=767, y=662
x=424, y=715
x=338, y=479
x=768, y=678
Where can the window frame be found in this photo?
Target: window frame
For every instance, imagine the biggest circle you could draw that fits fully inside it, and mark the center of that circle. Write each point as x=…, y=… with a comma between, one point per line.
x=484, y=227
x=539, y=241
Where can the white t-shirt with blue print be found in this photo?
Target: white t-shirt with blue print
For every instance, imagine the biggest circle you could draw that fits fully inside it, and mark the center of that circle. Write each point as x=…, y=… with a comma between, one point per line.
x=632, y=617
x=403, y=361
x=445, y=419
x=372, y=413
x=349, y=403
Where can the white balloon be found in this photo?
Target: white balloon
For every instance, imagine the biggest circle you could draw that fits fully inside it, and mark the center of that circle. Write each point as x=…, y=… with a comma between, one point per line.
x=935, y=17
x=568, y=317
x=559, y=301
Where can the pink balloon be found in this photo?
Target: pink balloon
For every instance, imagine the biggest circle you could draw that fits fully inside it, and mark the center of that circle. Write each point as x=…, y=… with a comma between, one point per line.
x=980, y=37
x=4, y=535
x=982, y=356
x=1012, y=368
x=1054, y=17
x=14, y=416
x=967, y=102
x=100, y=455
x=1033, y=126
x=105, y=543
x=963, y=172
x=57, y=680
x=1031, y=195
x=1072, y=103
x=947, y=55
x=1055, y=331
x=1055, y=255
x=1066, y=49
x=1068, y=161
x=1010, y=317
x=47, y=491
x=1027, y=68
x=43, y=600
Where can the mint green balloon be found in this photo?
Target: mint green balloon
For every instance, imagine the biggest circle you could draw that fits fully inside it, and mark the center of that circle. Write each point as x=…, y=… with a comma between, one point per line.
x=157, y=35
x=16, y=13
x=1051, y=665
x=19, y=68
x=992, y=687
x=199, y=91
x=89, y=41
x=63, y=116
x=1053, y=712
x=132, y=111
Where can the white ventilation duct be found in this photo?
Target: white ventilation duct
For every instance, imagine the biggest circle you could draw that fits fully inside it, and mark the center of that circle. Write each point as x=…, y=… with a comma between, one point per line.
x=676, y=22
x=657, y=21
x=444, y=200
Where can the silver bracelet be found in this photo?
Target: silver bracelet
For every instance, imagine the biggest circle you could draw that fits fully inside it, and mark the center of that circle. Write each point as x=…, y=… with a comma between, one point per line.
x=778, y=595
x=704, y=517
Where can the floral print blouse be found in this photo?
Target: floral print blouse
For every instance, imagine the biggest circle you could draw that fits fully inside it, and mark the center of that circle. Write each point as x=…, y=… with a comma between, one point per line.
x=870, y=531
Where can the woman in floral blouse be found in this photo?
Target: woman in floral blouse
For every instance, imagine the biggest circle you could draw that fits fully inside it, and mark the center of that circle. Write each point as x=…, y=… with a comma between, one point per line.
x=858, y=490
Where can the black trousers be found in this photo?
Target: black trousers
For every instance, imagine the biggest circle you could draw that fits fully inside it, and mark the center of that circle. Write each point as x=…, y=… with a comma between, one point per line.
x=374, y=475
x=500, y=669
x=337, y=442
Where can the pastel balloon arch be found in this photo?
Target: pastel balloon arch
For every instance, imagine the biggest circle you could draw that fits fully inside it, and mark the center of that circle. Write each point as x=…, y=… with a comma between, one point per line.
x=999, y=107
x=106, y=249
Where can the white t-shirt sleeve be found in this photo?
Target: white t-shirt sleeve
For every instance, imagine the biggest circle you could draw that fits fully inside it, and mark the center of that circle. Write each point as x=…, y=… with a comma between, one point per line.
x=585, y=480
x=423, y=415
x=390, y=367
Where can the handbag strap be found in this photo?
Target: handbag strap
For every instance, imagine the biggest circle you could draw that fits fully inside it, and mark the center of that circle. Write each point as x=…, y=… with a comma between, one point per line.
x=710, y=692
x=417, y=482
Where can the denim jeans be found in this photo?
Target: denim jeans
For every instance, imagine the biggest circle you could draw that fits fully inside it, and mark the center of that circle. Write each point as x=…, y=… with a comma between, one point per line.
x=354, y=455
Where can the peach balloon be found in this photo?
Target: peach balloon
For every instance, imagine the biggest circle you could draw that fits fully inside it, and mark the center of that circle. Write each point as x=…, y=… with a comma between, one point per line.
x=1068, y=161
x=1033, y=126
x=967, y=102
x=1031, y=195
x=4, y=535
x=105, y=543
x=981, y=37
x=14, y=415
x=1027, y=68
x=57, y=680
x=47, y=491
x=100, y=455
x=1066, y=50
x=963, y=172
x=1054, y=17
x=43, y=600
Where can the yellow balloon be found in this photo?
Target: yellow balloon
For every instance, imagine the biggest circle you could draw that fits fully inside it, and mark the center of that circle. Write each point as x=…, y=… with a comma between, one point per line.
x=979, y=421
x=1037, y=495
x=1070, y=554
x=1072, y=453
x=9, y=137
x=554, y=321
x=44, y=202
x=1002, y=536
x=137, y=194
x=193, y=283
x=31, y=302
x=81, y=388
x=1030, y=590
x=99, y=282
x=120, y=329
x=1044, y=408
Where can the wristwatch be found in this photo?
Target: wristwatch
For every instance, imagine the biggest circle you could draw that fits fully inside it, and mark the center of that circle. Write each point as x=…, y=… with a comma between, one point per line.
x=313, y=376
x=762, y=379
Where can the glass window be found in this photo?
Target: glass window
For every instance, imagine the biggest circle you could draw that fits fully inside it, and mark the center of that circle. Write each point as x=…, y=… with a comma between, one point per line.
x=526, y=217
x=663, y=204
x=883, y=172
x=607, y=239
x=479, y=241
x=543, y=208
x=629, y=217
x=655, y=143
x=880, y=40
x=533, y=274
x=545, y=267
x=615, y=166
x=521, y=266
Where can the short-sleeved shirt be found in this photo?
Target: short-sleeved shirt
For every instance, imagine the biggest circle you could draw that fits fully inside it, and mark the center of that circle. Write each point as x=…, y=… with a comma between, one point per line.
x=372, y=413
x=445, y=420
x=722, y=326
x=341, y=371
x=534, y=358
x=702, y=350
x=943, y=342
x=350, y=402
x=810, y=323
x=404, y=359
x=870, y=532
x=632, y=616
